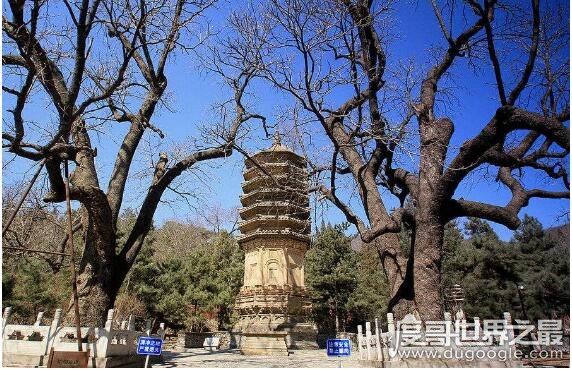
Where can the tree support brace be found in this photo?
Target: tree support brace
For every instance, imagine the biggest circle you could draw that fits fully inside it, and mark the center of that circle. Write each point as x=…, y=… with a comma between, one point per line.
x=13, y=215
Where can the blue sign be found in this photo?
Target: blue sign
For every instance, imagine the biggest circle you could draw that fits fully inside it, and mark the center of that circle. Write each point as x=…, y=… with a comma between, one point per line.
x=339, y=347
x=149, y=346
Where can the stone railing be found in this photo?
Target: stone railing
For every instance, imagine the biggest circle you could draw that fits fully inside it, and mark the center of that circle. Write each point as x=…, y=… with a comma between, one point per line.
x=227, y=340
x=29, y=345
x=416, y=339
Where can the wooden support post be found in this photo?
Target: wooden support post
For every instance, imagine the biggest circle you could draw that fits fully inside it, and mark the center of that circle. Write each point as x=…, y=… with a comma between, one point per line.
x=72, y=254
x=21, y=201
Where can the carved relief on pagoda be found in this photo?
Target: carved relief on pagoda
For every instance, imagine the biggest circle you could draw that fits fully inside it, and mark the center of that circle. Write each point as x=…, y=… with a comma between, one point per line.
x=296, y=268
x=252, y=268
x=280, y=265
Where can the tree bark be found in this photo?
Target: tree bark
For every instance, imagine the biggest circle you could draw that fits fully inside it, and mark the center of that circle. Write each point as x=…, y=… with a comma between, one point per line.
x=429, y=223
x=96, y=296
x=399, y=273
x=100, y=272
x=427, y=268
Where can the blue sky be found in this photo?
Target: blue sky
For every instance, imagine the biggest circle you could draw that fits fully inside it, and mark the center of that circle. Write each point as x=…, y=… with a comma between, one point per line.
x=193, y=92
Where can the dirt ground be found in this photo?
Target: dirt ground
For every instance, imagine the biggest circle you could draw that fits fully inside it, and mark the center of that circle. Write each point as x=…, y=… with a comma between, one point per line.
x=233, y=359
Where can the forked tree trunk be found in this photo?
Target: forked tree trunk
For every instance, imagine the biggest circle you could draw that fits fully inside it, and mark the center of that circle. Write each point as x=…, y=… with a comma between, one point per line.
x=415, y=283
x=399, y=274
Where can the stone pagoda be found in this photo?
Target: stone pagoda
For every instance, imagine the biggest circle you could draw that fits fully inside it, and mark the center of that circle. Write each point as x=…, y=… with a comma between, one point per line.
x=273, y=302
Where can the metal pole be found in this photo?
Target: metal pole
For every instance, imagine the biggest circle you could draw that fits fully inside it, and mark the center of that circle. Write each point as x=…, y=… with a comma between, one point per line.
x=72, y=254
x=148, y=333
x=26, y=192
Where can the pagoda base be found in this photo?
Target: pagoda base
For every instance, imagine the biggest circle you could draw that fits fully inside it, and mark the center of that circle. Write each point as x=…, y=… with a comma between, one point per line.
x=297, y=334
x=301, y=336
x=264, y=344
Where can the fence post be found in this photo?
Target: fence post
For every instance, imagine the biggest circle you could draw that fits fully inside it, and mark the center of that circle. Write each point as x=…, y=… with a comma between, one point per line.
x=477, y=332
x=450, y=328
x=161, y=330
x=368, y=339
x=131, y=322
x=385, y=344
x=105, y=336
x=509, y=333
x=448, y=321
x=5, y=317
x=109, y=321
x=39, y=319
x=54, y=329
x=392, y=339
x=378, y=340
x=360, y=341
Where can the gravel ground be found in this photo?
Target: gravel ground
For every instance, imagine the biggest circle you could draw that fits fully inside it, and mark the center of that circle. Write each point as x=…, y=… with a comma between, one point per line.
x=233, y=358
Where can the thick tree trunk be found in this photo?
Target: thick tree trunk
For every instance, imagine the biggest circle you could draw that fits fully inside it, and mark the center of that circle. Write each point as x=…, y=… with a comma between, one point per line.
x=100, y=272
x=428, y=246
x=96, y=297
x=98, y=285
x=429, y=224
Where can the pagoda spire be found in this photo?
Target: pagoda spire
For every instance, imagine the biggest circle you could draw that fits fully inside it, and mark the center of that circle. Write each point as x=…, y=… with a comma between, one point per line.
x=277, y=141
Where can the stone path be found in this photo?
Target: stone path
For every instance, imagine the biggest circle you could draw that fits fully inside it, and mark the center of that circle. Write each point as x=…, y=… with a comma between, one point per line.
x=233, y=358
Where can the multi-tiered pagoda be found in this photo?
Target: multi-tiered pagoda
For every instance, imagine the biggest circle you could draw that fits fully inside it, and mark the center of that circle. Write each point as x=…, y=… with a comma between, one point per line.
x=273, y=302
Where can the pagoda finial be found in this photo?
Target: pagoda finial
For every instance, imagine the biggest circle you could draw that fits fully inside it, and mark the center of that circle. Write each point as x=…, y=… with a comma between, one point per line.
x=276, y=138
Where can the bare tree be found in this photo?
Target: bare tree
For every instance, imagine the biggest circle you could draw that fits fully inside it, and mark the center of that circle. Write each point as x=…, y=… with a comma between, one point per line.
x=37, y=227
x=330, y=57
x=103, y=62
